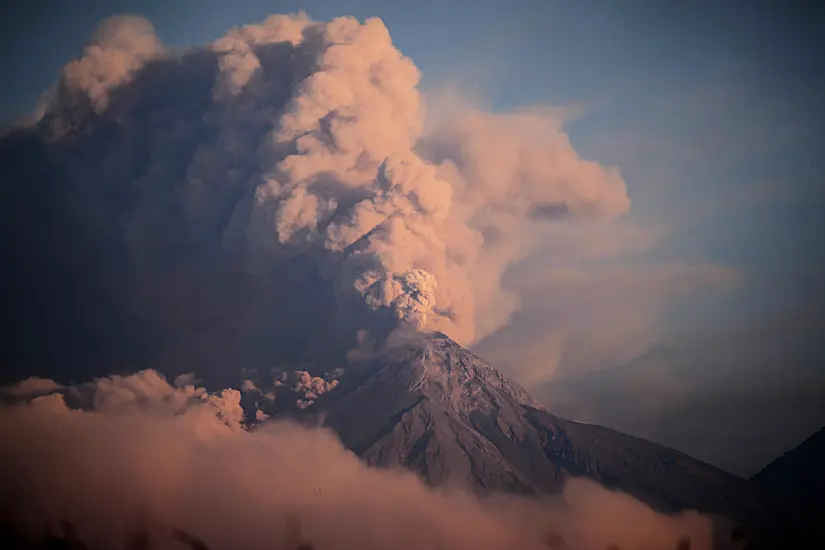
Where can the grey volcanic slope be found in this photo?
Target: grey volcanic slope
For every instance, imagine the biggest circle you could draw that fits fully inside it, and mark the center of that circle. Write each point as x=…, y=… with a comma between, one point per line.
x=435, y=408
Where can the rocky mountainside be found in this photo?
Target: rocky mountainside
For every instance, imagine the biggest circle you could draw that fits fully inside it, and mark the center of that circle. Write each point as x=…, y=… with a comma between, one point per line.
x=433, y=407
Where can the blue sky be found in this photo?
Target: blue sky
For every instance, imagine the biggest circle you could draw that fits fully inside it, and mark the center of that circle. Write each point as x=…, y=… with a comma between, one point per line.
x=711, y=110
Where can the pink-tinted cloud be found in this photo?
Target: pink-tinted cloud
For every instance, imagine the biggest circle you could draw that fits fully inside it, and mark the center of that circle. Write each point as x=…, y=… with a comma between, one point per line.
x=591, y=300
x=161, y=457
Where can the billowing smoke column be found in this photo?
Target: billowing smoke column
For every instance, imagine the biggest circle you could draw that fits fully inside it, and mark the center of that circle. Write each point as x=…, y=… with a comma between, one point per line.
x=354, y=184
x=301, y=143
x=351, y=184
x=120, y=47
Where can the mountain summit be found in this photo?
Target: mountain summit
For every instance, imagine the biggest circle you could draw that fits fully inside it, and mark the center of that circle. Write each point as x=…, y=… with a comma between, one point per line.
x=428, y=405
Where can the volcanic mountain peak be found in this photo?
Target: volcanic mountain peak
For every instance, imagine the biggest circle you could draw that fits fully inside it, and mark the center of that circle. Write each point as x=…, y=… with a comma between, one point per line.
x=426, y=404
x=449, y=374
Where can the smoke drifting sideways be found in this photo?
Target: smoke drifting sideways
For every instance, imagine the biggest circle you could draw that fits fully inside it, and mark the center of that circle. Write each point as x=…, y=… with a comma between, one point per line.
x=121, y=455
x=240, y=202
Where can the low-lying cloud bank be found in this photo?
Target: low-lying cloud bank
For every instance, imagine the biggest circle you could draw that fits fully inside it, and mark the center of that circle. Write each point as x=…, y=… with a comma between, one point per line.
x=124, y=454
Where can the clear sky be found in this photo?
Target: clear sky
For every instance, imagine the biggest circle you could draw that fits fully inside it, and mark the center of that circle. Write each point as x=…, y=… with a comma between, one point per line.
x=712, y=110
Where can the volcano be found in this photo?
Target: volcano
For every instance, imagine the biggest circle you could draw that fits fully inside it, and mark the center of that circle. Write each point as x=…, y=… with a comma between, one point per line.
x=428, y=405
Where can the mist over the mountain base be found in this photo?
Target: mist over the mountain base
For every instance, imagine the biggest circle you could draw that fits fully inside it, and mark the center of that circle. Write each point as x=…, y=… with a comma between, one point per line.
x=141, y=455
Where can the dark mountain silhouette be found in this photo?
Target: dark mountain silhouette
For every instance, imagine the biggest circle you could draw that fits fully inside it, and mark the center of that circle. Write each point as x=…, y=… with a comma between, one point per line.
x=798, y=474
x=797, y=480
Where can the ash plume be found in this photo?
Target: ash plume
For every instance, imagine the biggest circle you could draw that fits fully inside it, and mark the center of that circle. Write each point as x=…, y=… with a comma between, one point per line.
x=232, y=203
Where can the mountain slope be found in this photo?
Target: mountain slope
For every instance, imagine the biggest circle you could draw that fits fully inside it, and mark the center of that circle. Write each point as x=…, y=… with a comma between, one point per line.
x=799, y=471
x=433, y=407
x=694, y=400
x=797, y=480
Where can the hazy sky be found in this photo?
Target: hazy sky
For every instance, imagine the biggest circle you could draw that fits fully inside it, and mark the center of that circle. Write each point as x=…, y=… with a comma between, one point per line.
x=712, y=111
